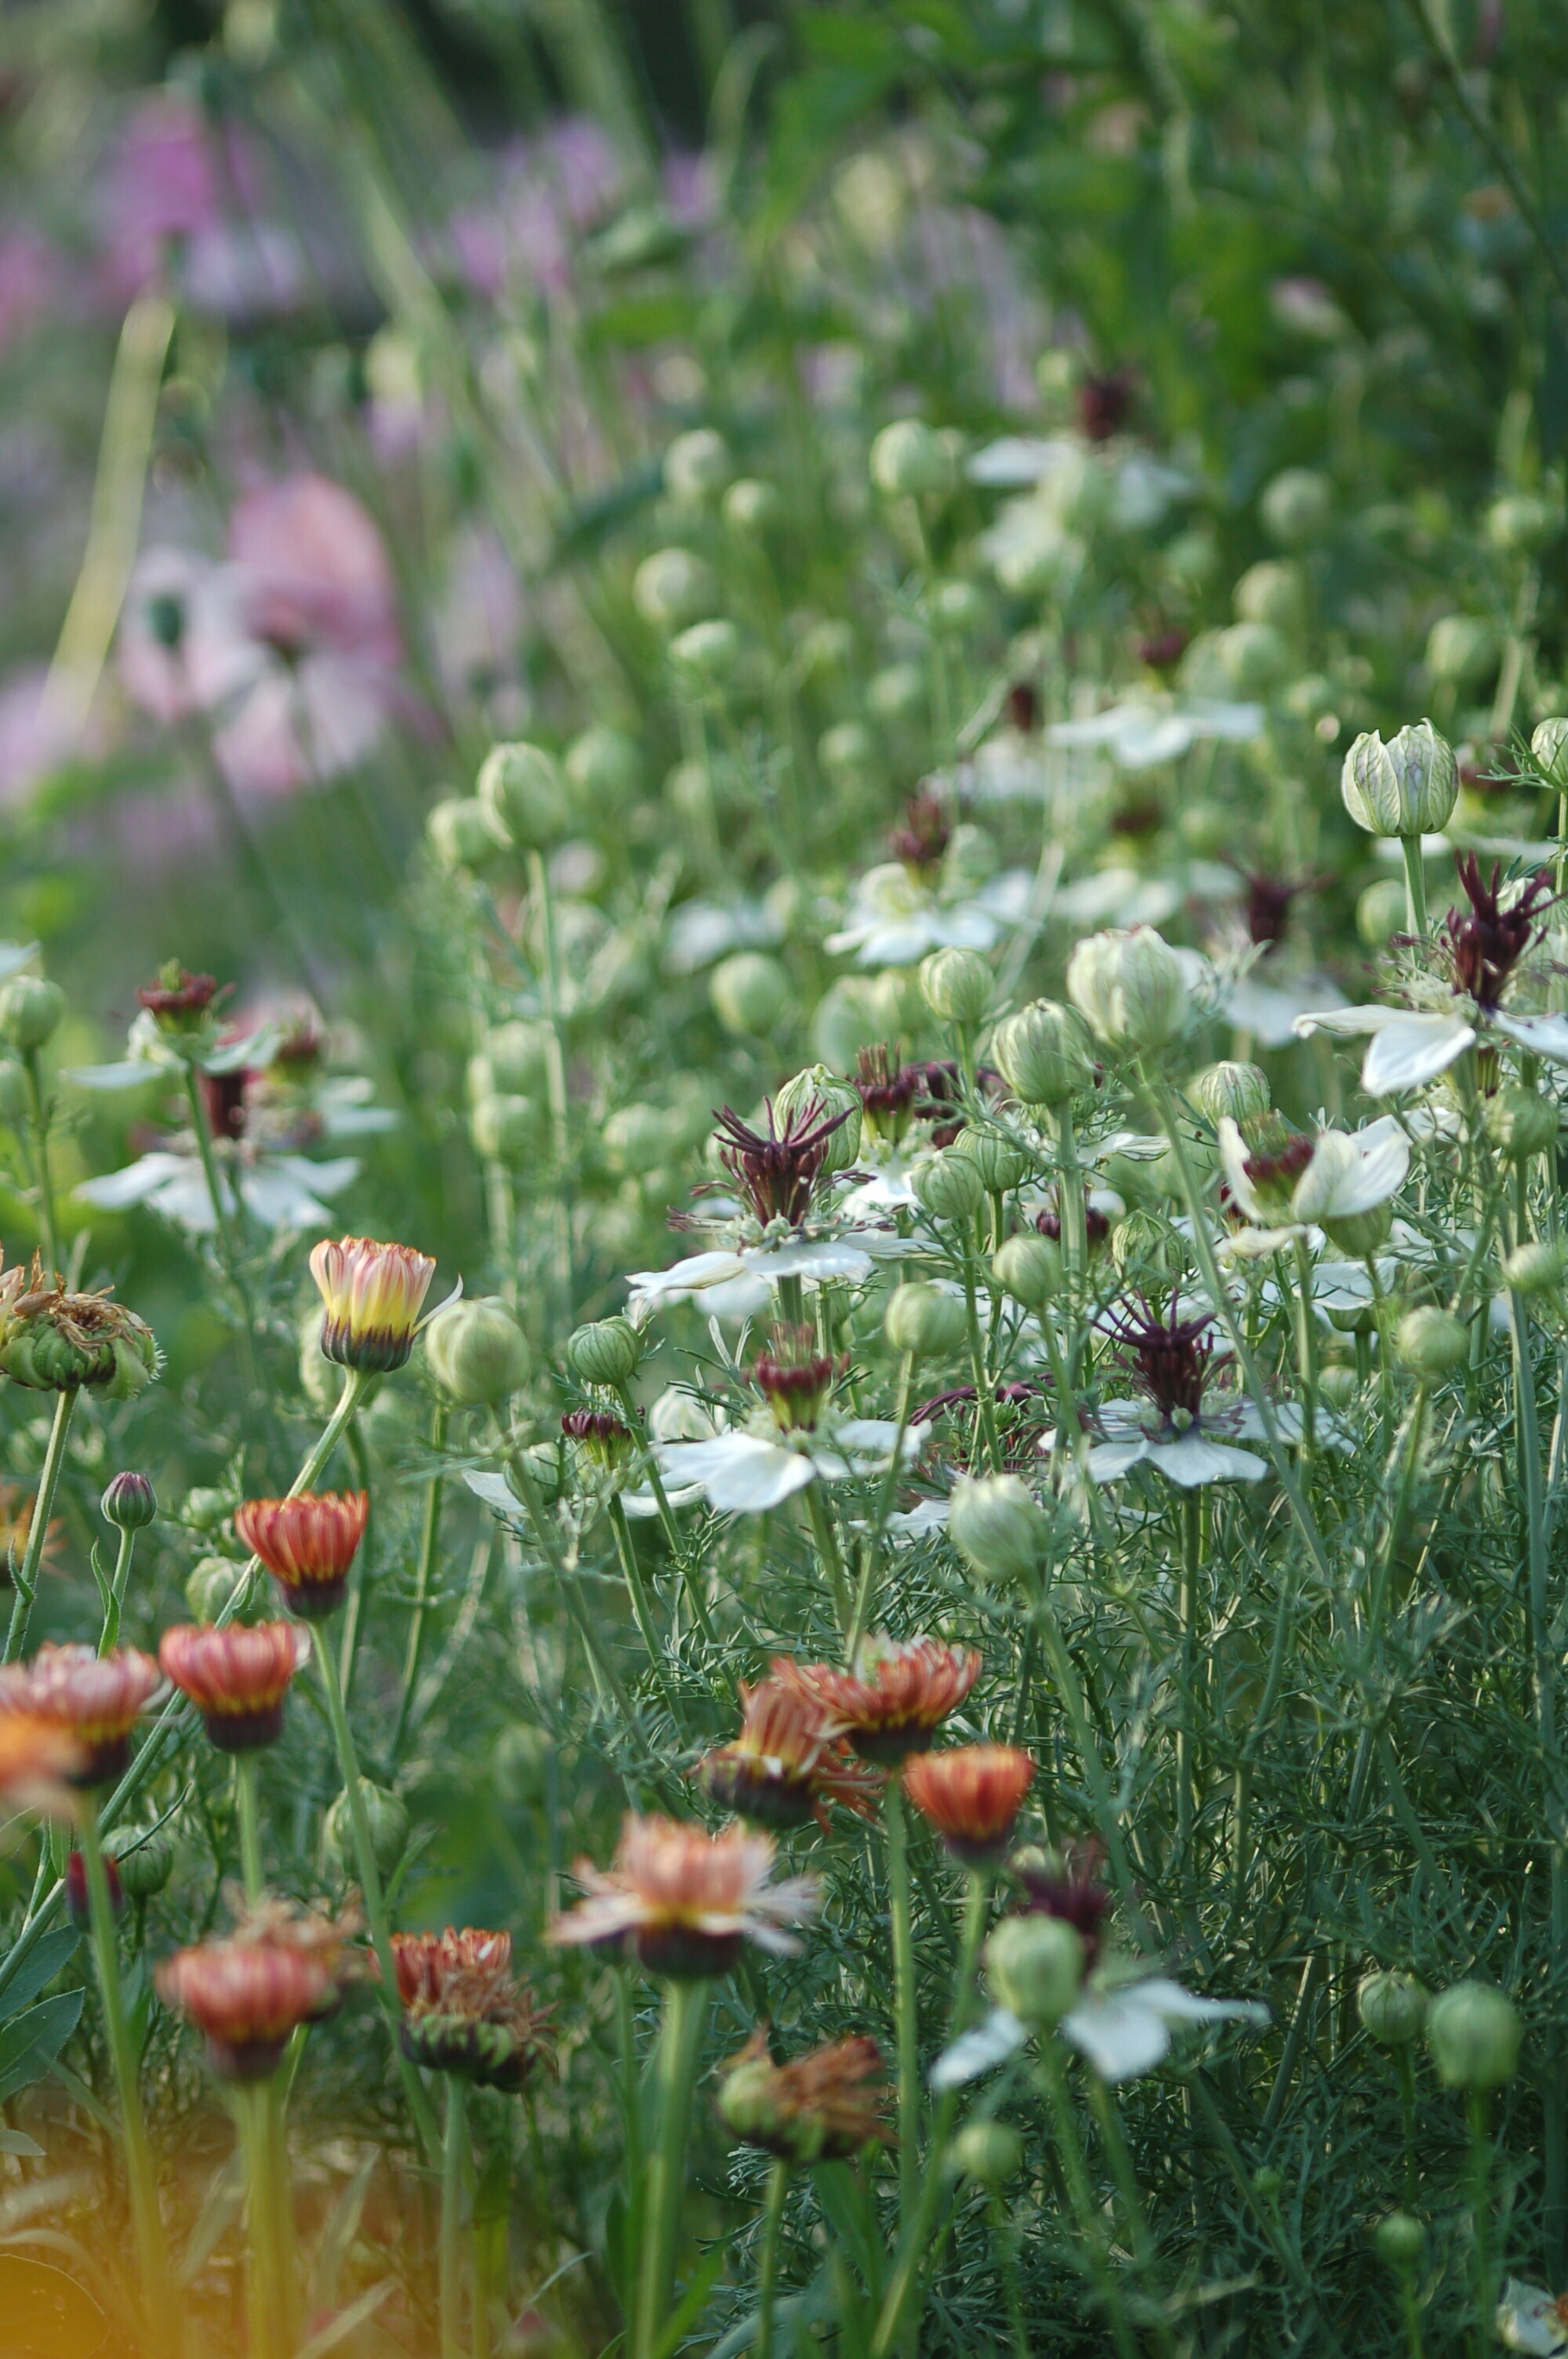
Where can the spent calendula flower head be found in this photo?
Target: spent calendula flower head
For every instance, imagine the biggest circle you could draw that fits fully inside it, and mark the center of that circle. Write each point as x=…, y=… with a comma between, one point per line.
x=373, y=1295
x=823, y=2107
x=237, y=1677
x=307, y=1544
x=54, y=1340
x=683, y=1901
x=787, y=1762
x=464, y=2011
x=894, y=1696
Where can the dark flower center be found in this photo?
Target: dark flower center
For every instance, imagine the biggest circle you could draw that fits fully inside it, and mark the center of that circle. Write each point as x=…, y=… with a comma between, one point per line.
x=1487, y=944
x=922, y=837
x=1169, y=1359
x=794, y=1377
x=1105, y=401
x=779, y=1170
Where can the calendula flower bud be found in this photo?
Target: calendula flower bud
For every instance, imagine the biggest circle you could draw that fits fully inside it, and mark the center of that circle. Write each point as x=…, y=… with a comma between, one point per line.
x=374, y=1294
x=1536, y=1267
x=460, y=835
x=1129, y=988
x=477, y=1351
x=145, y=1861
x=752, y=507
x=130, y=1503
x=1042, y=1054
x=1405, y=788
x=909, y=461
x=605, y=768
x=705, y=654
x=1399, y=2240
x=30, y=1011
x=923, y=1321
x=1548, y=746
x=1521, y=1123
x=751, y=992
x=1431, y=1344
x=673, y=587
x=948, y=1186
x=1240, y=1090
x=1462, y=648
x=998, y=1527
x=54, y=1341
x=388, y=1820
x=697, y=465
x=1392, y=2005
x=606, y=1352
x=817, y=1086
x=1000, y=1162
x=958, y=986
x=1473, y=2033
x=991, y=2153
x=1035, y=1965
x=1297, y=506
x=1031, y=1269
x=522, y=795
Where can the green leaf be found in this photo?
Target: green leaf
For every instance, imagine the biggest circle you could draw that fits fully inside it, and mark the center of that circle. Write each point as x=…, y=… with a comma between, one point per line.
x=337, y=2330
x=689, y=2309
x=39, y=1967
x=339, y=2235
x=31, y=2041
x=18, y=2142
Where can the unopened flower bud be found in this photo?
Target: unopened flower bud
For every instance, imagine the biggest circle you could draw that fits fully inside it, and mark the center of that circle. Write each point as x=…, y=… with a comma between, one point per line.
x=1431, y=1344
x=604, y=768
x=477, y=1351
x=145, y=1861
x=388, y=1820
x=989, y=2153
x=1297, y=506
x=605, y=1352
x=1273, y=593
x=998, y=1527
x=673, y=587
x=524, y=794
x=752, y=507
x=923, y=1321
x=698, y=466
x=1142, y=1242
x=78, y=1903
x=1405, y=788
x=834, y=1096
x=1042, y=1054
x=958, y=986
x=705, y=654
x=1521, y=1123
x=209, y=1586
x=848, y=753
x=1031, y=1269
x=1399, y=2240
x=30, y=1011
x=1035, y=1965
x=1548, y=746
x=206, y=1509
x=948, y=1186
x=505, y=1129
x=460, y=835
x=750, y=994
x=1253, y=656
x=1228, y=1088
x=1360, y=1233
x=1129, y=988
x=1536, y=1268
x=908, y=461
x=1462, y=648
x=1001, y=1164
x=1268, y=2182
x=130, y=1503
x=1473, y=2033
x=1392, y=2005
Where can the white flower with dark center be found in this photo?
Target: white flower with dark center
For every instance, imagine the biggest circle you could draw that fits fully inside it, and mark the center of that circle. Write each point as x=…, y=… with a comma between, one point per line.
x=895, y=918
x=1144, y=731
x=794, y=1439
x=1531, y=2319
x=1173, y=1427
x=1289, y=1184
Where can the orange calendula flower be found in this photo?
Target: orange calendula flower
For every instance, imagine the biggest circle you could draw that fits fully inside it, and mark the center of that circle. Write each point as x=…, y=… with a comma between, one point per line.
x=307, y=1544
x=893, y=1701
x=821, y=2107
x=972, y=1796
x=95, y=1699
x=237, y=1677
x=787, y=1762
x=683, y=1901
x=247, y=1997
x=464, y=2011
x=39, y=1764
x=374, y=1294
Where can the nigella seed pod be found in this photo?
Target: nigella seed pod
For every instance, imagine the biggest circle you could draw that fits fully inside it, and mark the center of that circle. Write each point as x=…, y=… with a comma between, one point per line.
x=1001, y=1164
x=1475, y=2034
x=477, y=1352
x=750, y=993
x=991, y=2153
x=130, y=1503
x=1548, y=746
x=1407, y=787
x=1432, y=1343
x=697, y=465
x=673, y=587
x=923, y=1321
x=1041, y=1055
x=1399, y=2240
x=145, y=1861
x=460, y=835
x=605, y=768
x=998, y=1527
x=1521, y=1123
x=522, y=796
x=910, y=461
x=1035, y=1965
x=30, y=1012
x=1031, y=1269
x=831, y=1095
x=606, y=1352
x=1392, y=2005
x=949, y=1186
x=388, y=1820
x=1129, y=988
x=1240, y=1091
x=1538, y=1267
x=958, y=986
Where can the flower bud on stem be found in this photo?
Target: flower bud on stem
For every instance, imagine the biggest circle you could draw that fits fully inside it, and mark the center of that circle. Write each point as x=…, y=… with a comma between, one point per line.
x=152, y=2252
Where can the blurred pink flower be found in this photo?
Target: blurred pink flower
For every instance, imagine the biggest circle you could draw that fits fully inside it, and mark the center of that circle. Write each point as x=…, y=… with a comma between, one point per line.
x=37, y=735
x=181, y=197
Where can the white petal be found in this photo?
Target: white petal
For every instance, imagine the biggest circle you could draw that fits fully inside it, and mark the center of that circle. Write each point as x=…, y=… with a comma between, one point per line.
x=1409, y=1053
x=931, y=1515
x=1383, y=1170
x=1527, y=2320
x=1347, y=1022
x=1110, y=1460
x=134, y=1185
x=818, y=1260
x=131, y=1074
x=737, y=1298
x=326, y=1179
x=1179, y=2006
x=1233, y=1158
x=493, y=1489
x=1017, y=459
x=1118, y=2034
x=1193, y=1458
x=14, y=956
x=991, y=2042
x=276, y=1200
x=741, y=1472
x=643, y=1507
x=357, y=1122
x=1544, y=1036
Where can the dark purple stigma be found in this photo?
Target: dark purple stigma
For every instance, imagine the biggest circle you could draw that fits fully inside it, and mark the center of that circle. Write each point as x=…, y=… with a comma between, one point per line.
x=1071, y=1894
x=1171, y=1359
x=1486, y=945
x=778, y=1170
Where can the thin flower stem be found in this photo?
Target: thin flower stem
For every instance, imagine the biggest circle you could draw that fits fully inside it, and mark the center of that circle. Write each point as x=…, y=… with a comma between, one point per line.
x=26, y=1575
x=38, y=1123
x=1073, y=1208
x=1481, y=2219
x=370, y=1888
x=1307, y=1348
x=1415, y=884
x=424, y=1578
x=829, y=1550
x=865, y=1589
x=250, y=1828
x=1186, y=1732
x=604, y=1671
x=689, y=1572
x=680, y=2037
x=1072, y=1696
x=768, y=2259
x=113, y=1603
x=985, y=1400
x=1108, y=2118
x=1405, y=2070
x=556, y=1078
x=1075, y=2170
x=906, y=2029
x=227, y=1220
x=636, y=1590
x=1004, y=2243
x=262, y=2273
x=454, y=2141
x=152, y=2252
x=1410, y=2303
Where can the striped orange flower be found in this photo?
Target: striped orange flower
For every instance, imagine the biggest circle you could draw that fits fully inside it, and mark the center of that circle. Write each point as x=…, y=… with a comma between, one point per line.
x=972, y=1795
x=683, y=1900
x=307, y=1544
x=373, y=1295
x=247, y=1997
x=787, y=1762
x=893, y=1698
x=237, y=1678
x=95, y=1699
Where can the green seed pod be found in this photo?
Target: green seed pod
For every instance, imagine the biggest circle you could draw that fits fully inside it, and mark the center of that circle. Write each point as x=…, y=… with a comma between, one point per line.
x=30, y=1012
x=604, y=768
x=1001, y=1164
x=991, y=2153
x=1408, y=786
x=637, y=1139
x=1129, y=988
x=1228, y=1088
x=388, y=1820
x=1254, y=657
x=909, y=461
x=1473, y=2033
x=524, y=796
x=753, y=508
x=848, y=753
x=1521, y=1123
x=705, y=654
x=998, y=1527
x=1338, y=1386
x=1296, y=507
x=957, y=985
x=1399, y=2240
x=505, y=1129
x=1268, y=2183
x=1380, y=911
x=1431, y=1344
x=607, y=1352
x=1273, y=593
x=1536, y=1267
x=1035, y=1965
x=957, y=607
x=897, y=695
x=673, y=587
x=750, y=994
x=460, y=835
x=1042, y=1054
x=948, y=1186
x=924, y=1320
x=1462, y=648
x=517, y=1057
x=1392, y=2005
x=697, y=465
x=144, y=1860
x=1031, y=1269
x=206, y=1509
x=1548, y=746
x=1141, y=1240
x=835, y=1096
x=1360, y=1233
x=477, y=1351
x=210, y=1584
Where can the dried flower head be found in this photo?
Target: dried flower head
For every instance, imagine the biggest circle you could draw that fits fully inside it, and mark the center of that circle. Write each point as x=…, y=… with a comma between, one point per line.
x=464, y=2011
x=306, y=1543
x=373, y=1295
x=972, y=1796
x=236, y=1676
x=247, y=1997
x=683, y=1900
x=895, y=1696
x=94, y=1699
x=53, y=1342
x=820, y=2107
x=778, y=1169
x=786, y=1763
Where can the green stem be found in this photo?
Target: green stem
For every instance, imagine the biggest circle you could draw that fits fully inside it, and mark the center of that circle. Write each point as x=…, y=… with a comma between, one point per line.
x=1073, y=1208
x=1307, y=1348
x=906, y=2026
x=1075, y=2170
x=1072, y=1696
x=261, y=2261
x=556, y=1078
x=27, y=1573
x=827, y=1548
x=985, y=1398
x=370, y=1885
x=768, y=2260
x=250, y=1828
x=680, y=2037
x=636, y=1590
x=1186, y=1732
x=1405, y=2070
x=1415, y=884
x=424, y=1579
x=453, y=2142
x=885, y=1496
x=1135, y=2226
x=689, y=1572
x=113, y=1604
x=152, y=2253
x=604, y=1670
x=1004, y=2242
x=1481, y=2219
x=48, y=1237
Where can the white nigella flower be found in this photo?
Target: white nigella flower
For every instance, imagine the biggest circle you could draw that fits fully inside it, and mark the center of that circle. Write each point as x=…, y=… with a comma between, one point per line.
x=1531, y=2319
x=895, y=918
x=1296, y=1183
x=1410, y=1047
x=1145, y=730
x=699, y=932
x=279, y=1191
x=1123, y=2029
x=795, y=1438
x=1173, y=1428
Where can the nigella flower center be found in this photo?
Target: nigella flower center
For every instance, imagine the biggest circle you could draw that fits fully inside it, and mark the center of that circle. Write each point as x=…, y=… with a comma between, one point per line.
x=921, y=840
x=1267, y=907
x=1274, y=1169
x=887, y=1095
x=603, y=1438
x=1171, y=1361
x=794, y=1379
x=778, y=1169
x=1484, y=946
